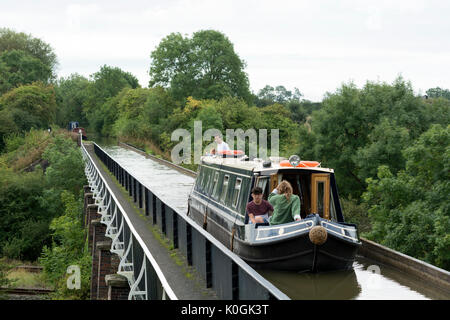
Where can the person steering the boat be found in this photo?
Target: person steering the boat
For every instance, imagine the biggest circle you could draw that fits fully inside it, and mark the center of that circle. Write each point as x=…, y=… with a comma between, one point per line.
x=221, y=145
x=286, y=204
x=258, y=209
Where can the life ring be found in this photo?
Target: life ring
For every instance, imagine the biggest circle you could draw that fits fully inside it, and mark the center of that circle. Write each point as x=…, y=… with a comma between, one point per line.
x=302, y=164
x=231, y=152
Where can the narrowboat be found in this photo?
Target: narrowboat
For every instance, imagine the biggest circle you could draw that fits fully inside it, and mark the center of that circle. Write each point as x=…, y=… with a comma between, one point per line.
x=75, y=127
x=320, y=241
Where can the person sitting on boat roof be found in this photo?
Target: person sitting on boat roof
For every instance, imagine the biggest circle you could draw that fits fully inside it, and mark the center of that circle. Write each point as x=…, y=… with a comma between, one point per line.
x=221, y=145
x=286, y=205
x=258, y=209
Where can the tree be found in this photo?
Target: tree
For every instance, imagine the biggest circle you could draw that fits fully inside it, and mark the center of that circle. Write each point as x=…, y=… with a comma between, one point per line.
x=204, y=67
x=22, y=228
x=26, y=107
x=270, y=95
x=438, y=92
x=106, y=84
x=157, y=110
x=18, y=68
x=439, y=110
x=32, y=48
x=350, y=121
x=410, y=211
x=384, y=147
x=71, y=98
x=37, y=100
x=129, y=115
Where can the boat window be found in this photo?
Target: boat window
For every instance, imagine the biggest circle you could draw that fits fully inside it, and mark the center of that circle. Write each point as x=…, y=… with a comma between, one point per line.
x=332, y=209
x=262, y=183
x=237, y=191
x=224, y=188
x=205, y=179
x=213, y=185
x=200, y=178
x=320, y=195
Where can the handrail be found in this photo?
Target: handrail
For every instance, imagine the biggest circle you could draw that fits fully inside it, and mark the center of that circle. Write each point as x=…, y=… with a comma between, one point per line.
x=241, y=264
x=167, y=289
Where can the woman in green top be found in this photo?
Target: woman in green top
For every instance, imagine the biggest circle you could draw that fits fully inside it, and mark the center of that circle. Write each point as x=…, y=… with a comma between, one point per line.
x=286, y=206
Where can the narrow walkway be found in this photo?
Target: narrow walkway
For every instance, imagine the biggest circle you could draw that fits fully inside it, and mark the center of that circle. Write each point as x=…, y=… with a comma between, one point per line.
x=183, y=279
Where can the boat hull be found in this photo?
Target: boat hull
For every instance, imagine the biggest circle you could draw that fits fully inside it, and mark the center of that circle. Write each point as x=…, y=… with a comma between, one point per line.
x=301, y=255
x=293, y=254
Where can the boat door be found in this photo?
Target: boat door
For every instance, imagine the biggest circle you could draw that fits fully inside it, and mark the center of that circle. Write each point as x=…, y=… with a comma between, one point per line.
x=320, y=194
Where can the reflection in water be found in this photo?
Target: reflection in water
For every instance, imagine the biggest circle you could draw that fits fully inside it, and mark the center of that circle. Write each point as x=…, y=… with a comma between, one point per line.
x=337, y=285
x=366, y=281
x=390, y=283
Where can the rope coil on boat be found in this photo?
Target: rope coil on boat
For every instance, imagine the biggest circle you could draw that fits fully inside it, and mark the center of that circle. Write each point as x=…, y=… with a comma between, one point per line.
x=318, y=235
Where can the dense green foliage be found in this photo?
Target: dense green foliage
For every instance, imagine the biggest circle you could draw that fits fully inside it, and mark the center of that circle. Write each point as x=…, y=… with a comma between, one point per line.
x=24, y=59
x=26, y=107
x=69, y=247
x=204, y=67
x=410, y=210
x=42, y=211
x=357, y=130
x=30, y=200
x=27, y=69
x=299, y=108
x=438, y=93
x=72, y=100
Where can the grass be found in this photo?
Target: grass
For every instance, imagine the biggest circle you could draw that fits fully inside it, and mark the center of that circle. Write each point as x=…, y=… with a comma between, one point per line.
x=22, y=151
x=23, y=279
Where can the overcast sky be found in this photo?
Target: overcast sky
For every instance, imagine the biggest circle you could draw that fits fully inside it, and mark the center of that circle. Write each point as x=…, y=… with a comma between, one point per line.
x=312, y=45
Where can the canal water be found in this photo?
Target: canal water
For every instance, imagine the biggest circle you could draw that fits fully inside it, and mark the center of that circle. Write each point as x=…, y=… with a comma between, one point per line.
x=367, y=280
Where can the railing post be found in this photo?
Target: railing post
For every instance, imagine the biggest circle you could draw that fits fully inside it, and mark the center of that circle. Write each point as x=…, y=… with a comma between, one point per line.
x=140, y=194
x=146, y=201
x=209, y=271
x=189, y=243
x=135, y=189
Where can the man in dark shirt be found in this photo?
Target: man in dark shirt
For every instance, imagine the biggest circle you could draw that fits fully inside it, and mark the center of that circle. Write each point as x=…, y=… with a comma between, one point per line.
x=259, y=209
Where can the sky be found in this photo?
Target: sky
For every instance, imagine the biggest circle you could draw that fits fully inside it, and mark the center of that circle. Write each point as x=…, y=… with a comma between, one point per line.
x=314, y=46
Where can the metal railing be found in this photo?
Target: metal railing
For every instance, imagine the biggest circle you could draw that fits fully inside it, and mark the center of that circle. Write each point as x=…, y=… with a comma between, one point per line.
x=137, y=264
x=223, y=271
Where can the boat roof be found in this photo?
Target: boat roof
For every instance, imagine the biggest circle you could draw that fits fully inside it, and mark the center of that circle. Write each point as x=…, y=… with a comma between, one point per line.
x=255, y=165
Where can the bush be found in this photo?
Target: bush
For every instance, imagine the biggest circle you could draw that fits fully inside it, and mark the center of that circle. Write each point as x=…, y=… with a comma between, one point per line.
x=410, y=211
x=357, y=214
x=69, y=247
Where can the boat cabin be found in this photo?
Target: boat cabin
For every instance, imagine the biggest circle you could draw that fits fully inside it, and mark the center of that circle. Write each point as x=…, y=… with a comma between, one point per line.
x=227, y=183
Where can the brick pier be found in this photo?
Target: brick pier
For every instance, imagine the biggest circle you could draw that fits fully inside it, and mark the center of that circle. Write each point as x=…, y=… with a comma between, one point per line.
x=105, y=283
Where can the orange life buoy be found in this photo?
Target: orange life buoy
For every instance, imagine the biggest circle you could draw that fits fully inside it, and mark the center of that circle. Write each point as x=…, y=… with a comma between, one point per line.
x=302, y=164
x=231, y=152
